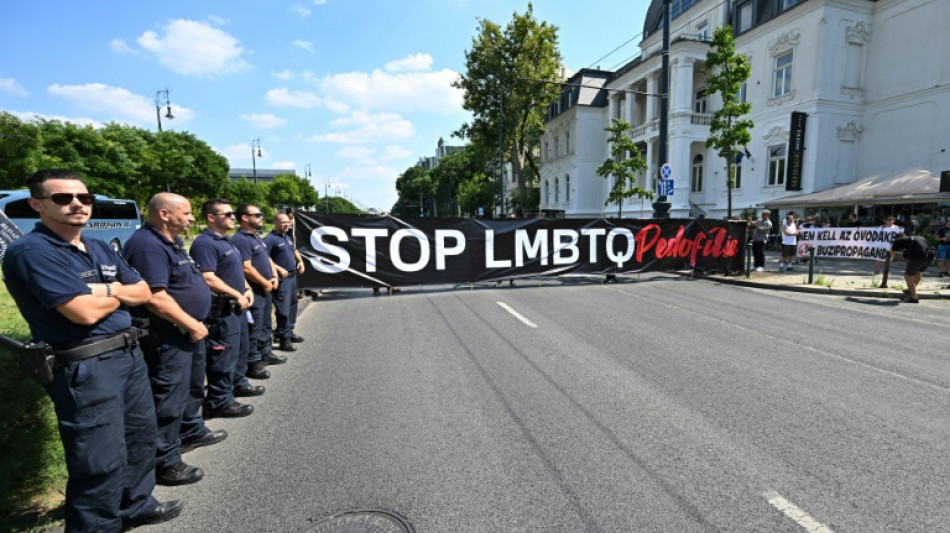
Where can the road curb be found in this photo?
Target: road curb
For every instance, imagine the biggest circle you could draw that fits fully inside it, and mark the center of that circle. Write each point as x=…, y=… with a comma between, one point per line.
x=870, y=293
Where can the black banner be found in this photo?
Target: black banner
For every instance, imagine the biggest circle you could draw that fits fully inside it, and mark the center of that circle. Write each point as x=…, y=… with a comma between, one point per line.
x=369, y=251
x=796, y=152
x=8, y=233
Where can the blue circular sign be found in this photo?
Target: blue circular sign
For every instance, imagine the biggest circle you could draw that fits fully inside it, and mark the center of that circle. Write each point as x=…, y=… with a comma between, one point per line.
x=666, y=171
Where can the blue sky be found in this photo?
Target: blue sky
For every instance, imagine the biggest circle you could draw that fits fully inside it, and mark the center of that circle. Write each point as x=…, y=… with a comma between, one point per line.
x=357, y=89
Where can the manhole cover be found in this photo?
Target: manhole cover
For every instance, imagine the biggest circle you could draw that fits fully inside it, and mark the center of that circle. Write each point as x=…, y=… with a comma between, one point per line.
x=368, y=521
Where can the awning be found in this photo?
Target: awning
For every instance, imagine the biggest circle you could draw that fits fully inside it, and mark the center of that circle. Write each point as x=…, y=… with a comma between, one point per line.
x=916, y=186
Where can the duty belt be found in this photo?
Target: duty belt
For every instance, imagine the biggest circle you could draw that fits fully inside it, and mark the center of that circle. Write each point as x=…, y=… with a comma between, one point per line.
x=127, y=338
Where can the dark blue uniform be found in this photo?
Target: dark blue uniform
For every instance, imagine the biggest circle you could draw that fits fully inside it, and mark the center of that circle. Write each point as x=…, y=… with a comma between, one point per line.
x=216, y=253
x=254, y=250
x=103, y=403
x=281, y=248
x=176, y=365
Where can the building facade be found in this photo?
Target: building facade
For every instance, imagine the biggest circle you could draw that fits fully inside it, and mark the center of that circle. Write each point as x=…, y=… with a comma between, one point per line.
x=868, y=78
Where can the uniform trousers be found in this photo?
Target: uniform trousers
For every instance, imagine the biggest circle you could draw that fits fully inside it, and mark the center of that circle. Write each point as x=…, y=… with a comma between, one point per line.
x=758, y=254
x=285, y=309
x=192, y=424
x=107, y=426
x=170, y=362
x=223, y=347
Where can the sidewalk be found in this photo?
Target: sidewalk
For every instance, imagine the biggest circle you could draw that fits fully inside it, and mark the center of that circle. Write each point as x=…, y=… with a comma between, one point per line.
x=847, y=277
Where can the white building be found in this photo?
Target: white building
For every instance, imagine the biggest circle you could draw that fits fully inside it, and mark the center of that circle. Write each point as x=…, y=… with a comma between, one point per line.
x=871, y=76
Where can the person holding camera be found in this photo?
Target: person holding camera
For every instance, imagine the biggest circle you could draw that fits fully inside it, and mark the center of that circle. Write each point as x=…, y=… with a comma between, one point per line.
x=760, y=237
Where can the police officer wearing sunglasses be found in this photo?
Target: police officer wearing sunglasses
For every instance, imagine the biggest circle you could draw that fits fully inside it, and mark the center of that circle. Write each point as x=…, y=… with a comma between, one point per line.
x=221, y=266
x=262, y=278
x=174, y=347
x=73, y=292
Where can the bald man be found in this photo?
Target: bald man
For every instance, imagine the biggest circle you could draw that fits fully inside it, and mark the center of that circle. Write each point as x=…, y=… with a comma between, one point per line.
x=288, y=264
x=174, y=348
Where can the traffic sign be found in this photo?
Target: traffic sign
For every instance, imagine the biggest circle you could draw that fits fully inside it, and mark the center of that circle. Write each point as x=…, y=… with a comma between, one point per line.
x=666, y=172
x=664, y=187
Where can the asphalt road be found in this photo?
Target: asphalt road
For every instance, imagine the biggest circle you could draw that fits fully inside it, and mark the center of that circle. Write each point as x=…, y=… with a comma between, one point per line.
x=663, y=405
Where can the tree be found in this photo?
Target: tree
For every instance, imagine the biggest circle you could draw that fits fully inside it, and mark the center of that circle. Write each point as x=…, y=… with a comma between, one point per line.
x=728, y=133
x=501, y=84
x=412, y=187
x=19, y=151
x=623, y=166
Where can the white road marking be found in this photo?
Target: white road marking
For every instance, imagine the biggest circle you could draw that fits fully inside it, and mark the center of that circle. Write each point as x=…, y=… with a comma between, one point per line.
x=792, y=511
x=517, y=315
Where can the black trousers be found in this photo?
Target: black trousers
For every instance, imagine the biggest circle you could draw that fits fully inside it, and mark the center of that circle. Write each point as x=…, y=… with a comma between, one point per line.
x=758, y=253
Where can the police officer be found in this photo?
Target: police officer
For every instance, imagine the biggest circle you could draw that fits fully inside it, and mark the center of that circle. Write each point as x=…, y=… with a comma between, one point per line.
x=288, y=264
x=260, y=275
x=72, y=291
x=174, y=347
x=220, y=264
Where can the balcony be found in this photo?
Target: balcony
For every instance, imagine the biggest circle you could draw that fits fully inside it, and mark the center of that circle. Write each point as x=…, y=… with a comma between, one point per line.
x=701, y=119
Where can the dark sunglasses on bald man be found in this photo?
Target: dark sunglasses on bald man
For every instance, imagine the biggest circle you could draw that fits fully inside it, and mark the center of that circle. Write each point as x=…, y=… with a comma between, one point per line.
x=66, y=198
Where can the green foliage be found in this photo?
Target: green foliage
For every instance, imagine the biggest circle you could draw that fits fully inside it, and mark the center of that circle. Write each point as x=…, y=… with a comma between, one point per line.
x=32, y=467
x=499, y=85
x=292, y=191
x=527, y=202
x=726, y=71
x=749, y=212
x=625, y=164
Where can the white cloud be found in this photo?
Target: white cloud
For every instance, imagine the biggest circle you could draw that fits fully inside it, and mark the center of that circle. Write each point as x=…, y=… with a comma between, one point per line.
x=118, y=103
x=265, y=120
x=283, y=165
x=306, y=45
x=366, y=128
x=192, y=47
x=119, y=46
x=300, y=10
x=285, y=98
x=319, y=2
x=9, y=85
x=362, y=154
x=217, y=21
x=285, y=74
x=396, y=152
x=412, y=91
x=27, y=116
x=242, y=154
x=412, y=63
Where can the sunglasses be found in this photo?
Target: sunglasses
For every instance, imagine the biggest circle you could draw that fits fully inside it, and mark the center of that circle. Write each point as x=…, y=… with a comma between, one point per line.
x=229, y=214
x=255, y=215
x=66, y=198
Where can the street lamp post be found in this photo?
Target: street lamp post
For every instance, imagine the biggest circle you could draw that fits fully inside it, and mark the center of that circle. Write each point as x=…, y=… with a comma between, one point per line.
x=661, y=208
x=256, y=143
x=326, y=193
x=158, y=106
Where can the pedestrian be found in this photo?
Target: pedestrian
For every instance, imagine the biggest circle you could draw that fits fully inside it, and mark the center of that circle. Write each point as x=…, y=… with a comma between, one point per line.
x=852, y=221
x=73, y=291
x=760, y=237
x=220, y=265
x=892, y=231
x=789, y=240
x=174, y=347
x=259, y=274
x=288, y=263
x=920, y=255
x=943, y=249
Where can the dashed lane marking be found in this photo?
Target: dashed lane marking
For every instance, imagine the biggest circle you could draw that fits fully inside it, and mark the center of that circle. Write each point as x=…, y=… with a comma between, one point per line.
x=517, y=315
x=792, y=511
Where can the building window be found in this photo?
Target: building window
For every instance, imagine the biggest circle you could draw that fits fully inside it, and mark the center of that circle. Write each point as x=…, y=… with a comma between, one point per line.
x=786, y=4
x=702, y=31
x=782, y=79
x=737, y=184
x=777, y=165
x=547, y=154
x=547, y=193
x=556, y=143
x=696, y=176
x=699, y=104
x=567, y=188
x=743, y=93
x=744, y=17
x=567, y=143
x=557, y=190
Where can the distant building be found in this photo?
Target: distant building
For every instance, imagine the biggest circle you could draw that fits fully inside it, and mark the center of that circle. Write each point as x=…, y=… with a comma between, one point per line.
x=867, y=75
x=264, y=175
x=441, y=151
